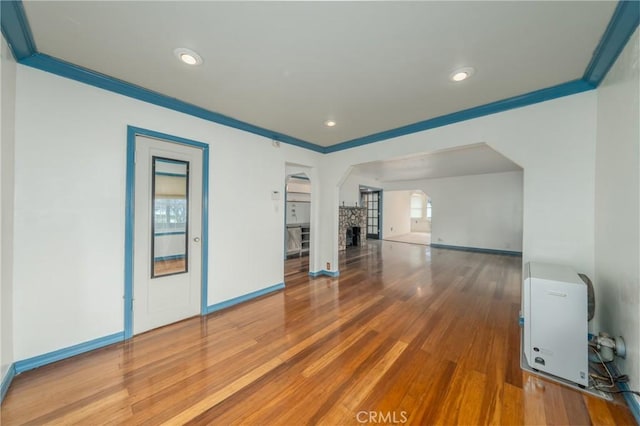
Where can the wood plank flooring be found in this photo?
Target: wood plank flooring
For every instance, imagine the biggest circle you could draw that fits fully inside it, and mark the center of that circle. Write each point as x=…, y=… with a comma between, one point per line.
x=406, y=334
x=423, y=238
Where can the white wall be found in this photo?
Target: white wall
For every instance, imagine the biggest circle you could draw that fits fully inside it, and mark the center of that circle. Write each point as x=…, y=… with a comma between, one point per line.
x=617, y=207
x=70, y=196
x=421, y=224
x=69, y=199
x=396, y=213
x=7, y=127
x=298, y=212
x=482, y=211
x=553, y=141
x=350, y=188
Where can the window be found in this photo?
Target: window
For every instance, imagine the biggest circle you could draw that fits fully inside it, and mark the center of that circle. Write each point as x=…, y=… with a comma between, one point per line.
x=417, y=206
x=429, y=209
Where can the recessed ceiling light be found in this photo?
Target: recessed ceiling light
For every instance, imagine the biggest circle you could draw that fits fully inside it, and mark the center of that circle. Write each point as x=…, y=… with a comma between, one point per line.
x=329, y=123
x=461, y=74
x=188, y=56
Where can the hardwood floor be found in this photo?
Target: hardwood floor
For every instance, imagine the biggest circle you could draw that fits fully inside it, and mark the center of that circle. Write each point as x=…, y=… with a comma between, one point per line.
x=406, y=334
x=296, y=268
x=423, y=238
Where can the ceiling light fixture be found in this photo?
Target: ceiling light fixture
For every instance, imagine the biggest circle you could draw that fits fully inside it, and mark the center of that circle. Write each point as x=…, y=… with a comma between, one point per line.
x=461, y=74
x=188, y=56
x=329, y=123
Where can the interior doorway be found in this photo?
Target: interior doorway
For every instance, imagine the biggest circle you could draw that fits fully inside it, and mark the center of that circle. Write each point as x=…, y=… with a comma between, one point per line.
x=421, y=212
x=166, y=230
x=407, y=217
x=372, y=201
x=298, y=235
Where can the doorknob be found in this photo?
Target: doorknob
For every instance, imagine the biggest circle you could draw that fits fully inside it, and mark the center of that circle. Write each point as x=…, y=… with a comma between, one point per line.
x=196, y=239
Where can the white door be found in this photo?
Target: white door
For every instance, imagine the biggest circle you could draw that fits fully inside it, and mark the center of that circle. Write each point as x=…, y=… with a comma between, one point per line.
x=167, y=279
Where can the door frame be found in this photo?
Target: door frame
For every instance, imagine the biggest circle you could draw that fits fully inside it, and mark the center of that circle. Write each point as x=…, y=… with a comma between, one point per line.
x=132, y=133
x=368, y=190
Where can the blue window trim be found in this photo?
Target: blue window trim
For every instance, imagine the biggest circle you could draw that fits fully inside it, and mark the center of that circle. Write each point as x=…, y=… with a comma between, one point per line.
x=623, y=23
x=132, y=132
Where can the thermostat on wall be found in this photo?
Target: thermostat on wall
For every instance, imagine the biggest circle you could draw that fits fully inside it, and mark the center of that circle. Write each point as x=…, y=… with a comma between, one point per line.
x=275, y=195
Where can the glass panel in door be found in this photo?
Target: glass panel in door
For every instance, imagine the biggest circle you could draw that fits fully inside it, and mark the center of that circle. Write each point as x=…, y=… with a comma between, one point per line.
x=170, y=201
x=371, y=201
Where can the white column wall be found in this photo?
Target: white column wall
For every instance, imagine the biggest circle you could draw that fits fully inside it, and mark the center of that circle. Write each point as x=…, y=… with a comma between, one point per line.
x=7, y=135
x=617, y=207
x=553, y=141
x=70, y=197
x=350, y=188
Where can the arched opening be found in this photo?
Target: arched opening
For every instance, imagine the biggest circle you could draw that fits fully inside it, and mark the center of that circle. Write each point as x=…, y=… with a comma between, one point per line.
x=466, y=198
x=418, y=229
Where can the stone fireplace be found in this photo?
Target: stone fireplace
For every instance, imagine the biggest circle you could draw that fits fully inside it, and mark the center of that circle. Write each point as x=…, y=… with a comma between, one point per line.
x=350, y=217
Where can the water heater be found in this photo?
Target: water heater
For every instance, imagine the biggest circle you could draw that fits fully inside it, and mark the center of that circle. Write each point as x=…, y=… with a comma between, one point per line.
x=554, y=301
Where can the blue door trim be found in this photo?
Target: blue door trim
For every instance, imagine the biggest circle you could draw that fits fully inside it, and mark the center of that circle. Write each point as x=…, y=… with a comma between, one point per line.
x=6, y=381
x=132, y=132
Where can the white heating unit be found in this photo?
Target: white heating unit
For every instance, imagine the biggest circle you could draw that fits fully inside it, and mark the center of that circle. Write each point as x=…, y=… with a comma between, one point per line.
x=555, y=321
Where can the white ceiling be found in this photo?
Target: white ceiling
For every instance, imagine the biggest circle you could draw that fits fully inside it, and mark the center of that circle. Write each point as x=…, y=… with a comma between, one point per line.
x=468, y=160
x=289, y=66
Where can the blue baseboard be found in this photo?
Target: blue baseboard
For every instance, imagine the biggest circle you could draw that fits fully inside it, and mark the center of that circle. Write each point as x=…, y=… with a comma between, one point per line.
x=48, y=358
x=324, y=272
x=244, y=298
x=6, y=381
x=632, y=402
x=478, y=250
